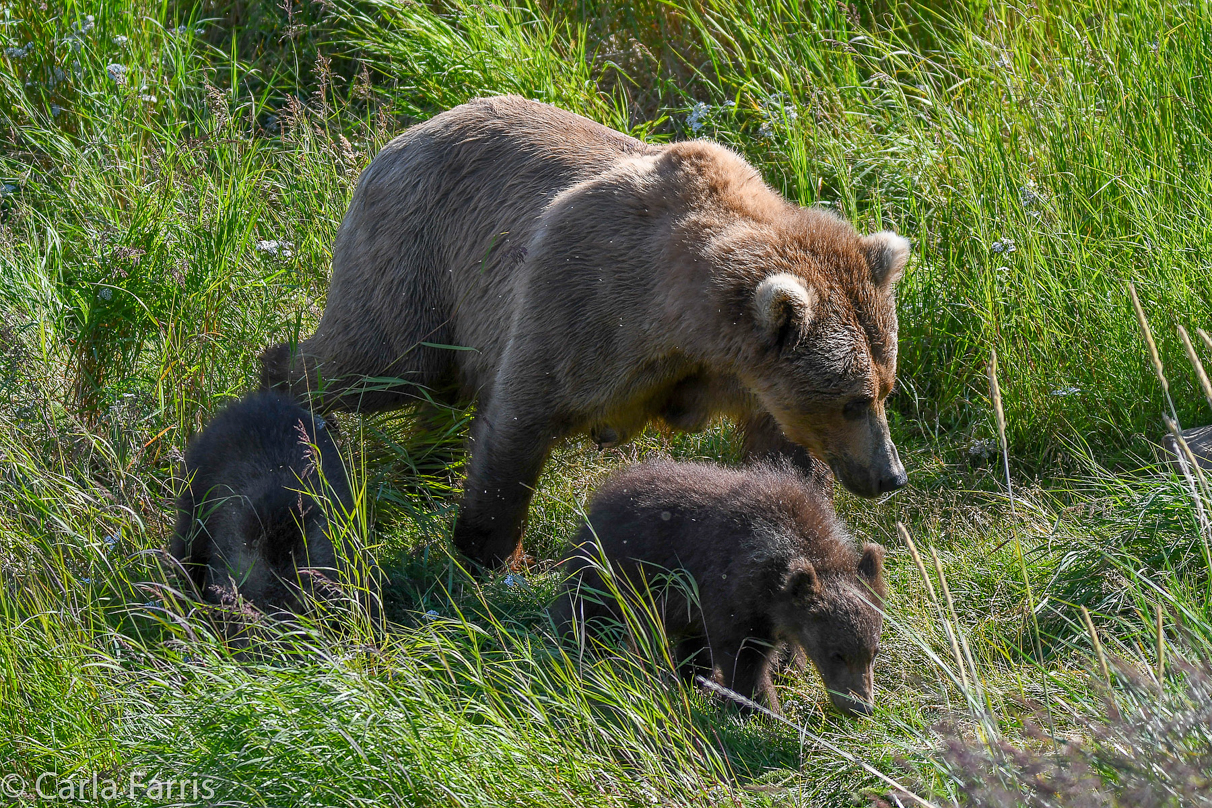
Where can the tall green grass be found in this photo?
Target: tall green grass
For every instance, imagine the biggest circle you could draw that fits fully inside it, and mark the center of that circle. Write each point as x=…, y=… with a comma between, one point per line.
x=164, y=220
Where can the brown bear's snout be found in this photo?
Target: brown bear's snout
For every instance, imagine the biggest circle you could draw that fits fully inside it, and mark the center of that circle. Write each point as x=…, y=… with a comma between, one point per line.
x=866, y=461
x=852, y=706
x=853, y=693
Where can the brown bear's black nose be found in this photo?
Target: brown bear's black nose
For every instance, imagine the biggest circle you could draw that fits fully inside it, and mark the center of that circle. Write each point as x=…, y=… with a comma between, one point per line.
x=891, y=482
x=851, y=705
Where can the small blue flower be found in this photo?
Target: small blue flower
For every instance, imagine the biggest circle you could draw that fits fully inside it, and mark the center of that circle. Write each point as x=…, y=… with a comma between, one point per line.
x=120, y=40
x=694, y=121
x=1005, y=245
x=116, y=72
x=432, y=614
x=19, y=52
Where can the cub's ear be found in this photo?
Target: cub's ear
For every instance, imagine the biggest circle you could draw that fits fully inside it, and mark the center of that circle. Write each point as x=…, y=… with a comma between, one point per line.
x=802, y=584
x=783, y=304
x=871, y=565
x=887, y=254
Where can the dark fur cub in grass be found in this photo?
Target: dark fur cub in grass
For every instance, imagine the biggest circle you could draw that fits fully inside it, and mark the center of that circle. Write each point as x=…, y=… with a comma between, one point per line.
x=264, y=479
x=773, y=565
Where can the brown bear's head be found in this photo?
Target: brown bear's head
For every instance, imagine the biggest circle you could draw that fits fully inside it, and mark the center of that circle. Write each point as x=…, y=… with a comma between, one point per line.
x=823, y=304
x=837, y=617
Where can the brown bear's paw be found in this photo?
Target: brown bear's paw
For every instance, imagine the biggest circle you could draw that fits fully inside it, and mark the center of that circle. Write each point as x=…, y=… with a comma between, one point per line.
x=487, y=547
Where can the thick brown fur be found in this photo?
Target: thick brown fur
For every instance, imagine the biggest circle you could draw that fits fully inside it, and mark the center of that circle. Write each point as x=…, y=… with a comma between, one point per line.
x=264, y=481
x=595, y=283
x=772, y=563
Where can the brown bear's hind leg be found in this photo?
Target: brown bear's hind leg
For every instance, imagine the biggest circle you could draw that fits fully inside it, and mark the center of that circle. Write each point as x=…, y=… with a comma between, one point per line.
x=356, y=379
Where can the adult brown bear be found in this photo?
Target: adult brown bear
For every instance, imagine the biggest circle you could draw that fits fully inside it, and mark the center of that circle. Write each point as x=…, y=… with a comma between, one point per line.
x=569, y=278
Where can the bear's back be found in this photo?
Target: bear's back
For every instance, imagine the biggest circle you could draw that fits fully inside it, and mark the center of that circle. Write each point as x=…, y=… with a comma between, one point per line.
x=717, y=522
x=261, y=443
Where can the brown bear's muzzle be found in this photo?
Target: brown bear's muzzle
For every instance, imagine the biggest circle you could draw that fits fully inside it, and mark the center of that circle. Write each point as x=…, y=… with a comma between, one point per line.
x=885, y=472
x=854, y=694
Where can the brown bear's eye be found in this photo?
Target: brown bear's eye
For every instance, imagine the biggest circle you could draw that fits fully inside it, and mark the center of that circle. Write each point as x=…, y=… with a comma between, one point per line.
x=857, y=408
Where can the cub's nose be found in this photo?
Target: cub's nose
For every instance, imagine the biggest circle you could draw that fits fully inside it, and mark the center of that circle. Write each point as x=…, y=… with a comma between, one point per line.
x=893, y=481
x=851, y=705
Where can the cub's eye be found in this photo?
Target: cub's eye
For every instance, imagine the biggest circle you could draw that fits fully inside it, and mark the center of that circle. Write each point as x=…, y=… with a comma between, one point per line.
x=838, y=658
x=857, y=408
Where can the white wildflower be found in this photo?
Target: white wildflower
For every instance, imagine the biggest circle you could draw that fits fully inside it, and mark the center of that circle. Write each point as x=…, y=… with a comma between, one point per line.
x=275, y=248
x=116, y=72
x=147, y=97
x=982, y=448
x=766, y=130
x=694, y=121
x=1065, y=392
x=1004, y=245
x=121, y=41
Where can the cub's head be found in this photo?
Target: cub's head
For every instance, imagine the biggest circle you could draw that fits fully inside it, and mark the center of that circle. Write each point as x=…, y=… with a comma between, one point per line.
x=822, y=317
x=836, y=618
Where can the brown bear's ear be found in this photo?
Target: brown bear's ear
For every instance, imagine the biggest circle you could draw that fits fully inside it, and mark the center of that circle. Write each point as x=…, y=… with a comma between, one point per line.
x=781, y=304
x=871, y=565
x=887, y=254
x=802, y=585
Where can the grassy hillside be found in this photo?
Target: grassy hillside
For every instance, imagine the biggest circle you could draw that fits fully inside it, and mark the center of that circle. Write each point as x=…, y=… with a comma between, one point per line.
x=173, y=177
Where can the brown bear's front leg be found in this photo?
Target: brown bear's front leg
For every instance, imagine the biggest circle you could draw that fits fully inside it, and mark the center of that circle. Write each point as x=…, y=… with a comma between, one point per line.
x=744, y=670
x=507, y=455
x=764, y=440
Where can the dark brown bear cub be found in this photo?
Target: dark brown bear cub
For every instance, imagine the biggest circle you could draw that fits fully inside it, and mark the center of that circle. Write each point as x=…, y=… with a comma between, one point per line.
x=262, y=480
x=773, y=566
